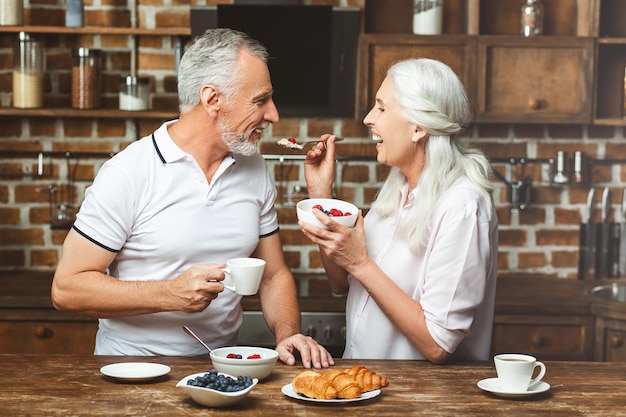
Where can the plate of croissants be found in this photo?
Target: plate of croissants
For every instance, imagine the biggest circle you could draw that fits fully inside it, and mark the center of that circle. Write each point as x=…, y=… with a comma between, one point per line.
x=335, y=385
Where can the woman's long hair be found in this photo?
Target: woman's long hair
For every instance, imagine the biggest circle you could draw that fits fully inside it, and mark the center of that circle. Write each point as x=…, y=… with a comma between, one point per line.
x=433, y=98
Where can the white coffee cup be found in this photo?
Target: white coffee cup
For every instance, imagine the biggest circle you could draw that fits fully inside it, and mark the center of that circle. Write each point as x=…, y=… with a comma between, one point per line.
x=246, y=274
x=515, y=371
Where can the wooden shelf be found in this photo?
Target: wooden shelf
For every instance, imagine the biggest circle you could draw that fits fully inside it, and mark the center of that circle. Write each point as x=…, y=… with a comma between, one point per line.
x=609, y=122
x=95, y=30
x=96, y=113
x=612, y=41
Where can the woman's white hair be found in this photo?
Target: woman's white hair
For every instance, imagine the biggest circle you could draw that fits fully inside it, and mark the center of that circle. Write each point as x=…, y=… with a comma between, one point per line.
x=213, y=58
x=433, y=98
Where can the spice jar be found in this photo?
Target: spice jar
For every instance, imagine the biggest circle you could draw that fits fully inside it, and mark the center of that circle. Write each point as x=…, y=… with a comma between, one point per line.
x=86, y=78
x=11, y=12
x=28, y=72
x=134, y=93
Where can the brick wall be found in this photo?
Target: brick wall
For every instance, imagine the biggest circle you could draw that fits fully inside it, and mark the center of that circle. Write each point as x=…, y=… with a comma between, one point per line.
x=541, y=239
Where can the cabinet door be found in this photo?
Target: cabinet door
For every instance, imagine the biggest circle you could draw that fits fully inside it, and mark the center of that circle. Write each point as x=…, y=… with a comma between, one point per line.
x=546, y=337
x=610, y=340
x=47, y=337
x=535, y=80
x=379, y=52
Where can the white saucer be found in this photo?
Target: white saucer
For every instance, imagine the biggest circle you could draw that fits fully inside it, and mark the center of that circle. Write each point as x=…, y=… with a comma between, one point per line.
x=493, y=386
x=135, y=371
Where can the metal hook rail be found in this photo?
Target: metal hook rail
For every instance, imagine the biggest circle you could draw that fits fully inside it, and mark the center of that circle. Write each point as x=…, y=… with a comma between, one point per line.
x=41, y=155
x=526, y=161
x=55, y=154
x=96, y=155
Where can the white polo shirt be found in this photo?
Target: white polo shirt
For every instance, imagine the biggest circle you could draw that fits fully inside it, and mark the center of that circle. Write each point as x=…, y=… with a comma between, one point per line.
x=152, y=204
x=453, y=278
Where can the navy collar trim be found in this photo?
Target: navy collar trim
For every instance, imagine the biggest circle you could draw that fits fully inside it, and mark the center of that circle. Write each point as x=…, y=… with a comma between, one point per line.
x=156, y=148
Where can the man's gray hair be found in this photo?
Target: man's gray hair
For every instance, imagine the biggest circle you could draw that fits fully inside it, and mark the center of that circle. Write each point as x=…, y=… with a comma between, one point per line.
x=213, y=59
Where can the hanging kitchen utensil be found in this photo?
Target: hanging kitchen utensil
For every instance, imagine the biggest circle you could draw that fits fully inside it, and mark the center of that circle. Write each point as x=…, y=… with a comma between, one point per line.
x=603, y=237
x=518, y=192
x=62, y=208
x=585, y=243
x=613, y=248
x=621, y=252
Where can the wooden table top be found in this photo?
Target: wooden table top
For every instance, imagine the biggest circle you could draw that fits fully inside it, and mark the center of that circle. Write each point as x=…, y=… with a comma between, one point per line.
x=67, y=385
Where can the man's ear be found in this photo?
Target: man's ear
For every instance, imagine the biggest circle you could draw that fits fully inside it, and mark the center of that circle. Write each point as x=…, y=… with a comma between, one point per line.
x=418, y=134
x=210, y=98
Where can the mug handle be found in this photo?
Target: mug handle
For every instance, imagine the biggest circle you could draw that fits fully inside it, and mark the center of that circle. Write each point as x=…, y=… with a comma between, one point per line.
x=542, y=371
x=230, y=287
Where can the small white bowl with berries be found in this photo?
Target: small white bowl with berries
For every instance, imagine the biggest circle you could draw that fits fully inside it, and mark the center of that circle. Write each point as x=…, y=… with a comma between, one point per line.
x=255, y=362
x=339, y=210
x=216, y=389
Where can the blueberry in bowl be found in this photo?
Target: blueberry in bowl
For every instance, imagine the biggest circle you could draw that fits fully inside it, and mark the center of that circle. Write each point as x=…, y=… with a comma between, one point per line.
x=217, y=389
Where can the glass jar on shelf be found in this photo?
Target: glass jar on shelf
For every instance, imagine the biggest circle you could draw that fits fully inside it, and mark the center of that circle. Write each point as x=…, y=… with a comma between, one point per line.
x=134, y=93
x=531, y=20
x=11, y=12
x=86, y=78
x=427, y=17
x=28, y=72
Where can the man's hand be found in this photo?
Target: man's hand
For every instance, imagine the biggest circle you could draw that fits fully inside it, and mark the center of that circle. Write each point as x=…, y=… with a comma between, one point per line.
x=194, y=289
x=312, y=353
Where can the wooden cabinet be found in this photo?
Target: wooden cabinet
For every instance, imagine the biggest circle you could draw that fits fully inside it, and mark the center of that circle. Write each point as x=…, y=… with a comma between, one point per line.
x=572, y=74
x=609, y=104
x=30, y=324
x=378, y=52
x=559, y=337
x=610, y=340
x=535, y=80
x=46, y=331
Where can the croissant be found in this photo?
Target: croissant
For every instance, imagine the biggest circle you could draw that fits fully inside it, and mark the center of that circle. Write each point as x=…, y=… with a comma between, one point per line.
x=312, y=385
x=367, y=380
x=345, y=384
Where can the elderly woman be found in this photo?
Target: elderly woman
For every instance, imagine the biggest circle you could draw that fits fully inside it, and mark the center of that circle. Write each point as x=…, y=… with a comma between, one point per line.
x=420, y=269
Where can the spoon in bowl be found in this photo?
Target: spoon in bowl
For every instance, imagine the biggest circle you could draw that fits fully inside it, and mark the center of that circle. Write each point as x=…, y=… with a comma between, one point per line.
x=195, y=336
x=292, y=143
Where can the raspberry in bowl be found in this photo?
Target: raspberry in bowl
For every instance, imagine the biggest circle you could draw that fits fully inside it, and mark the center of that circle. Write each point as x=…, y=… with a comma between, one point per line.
x=255, y=362
x=339, y=210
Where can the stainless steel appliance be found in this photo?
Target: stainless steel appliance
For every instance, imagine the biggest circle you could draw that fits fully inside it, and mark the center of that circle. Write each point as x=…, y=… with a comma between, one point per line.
x=327, y=328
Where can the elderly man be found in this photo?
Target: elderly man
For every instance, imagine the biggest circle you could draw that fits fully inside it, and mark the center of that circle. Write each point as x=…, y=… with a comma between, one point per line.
x=163, y=216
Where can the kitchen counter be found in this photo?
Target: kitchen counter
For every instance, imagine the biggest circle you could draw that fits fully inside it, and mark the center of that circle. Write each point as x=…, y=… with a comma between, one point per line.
x=31, y=289
x=514, y=295
x=68, y=385
x=553, y=318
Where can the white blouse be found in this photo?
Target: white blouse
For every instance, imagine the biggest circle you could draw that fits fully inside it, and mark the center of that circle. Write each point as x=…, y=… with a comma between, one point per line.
x=453, y=278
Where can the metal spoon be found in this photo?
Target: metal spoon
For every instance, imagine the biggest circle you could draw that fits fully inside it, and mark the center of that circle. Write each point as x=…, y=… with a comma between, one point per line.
x=195, y=336
x=285, y=142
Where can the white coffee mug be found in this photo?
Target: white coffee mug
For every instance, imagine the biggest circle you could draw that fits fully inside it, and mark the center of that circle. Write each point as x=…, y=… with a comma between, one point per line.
x=515, y=371
x=246, y=274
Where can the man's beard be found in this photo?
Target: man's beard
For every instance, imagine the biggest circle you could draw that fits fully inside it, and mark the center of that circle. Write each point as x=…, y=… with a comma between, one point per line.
x=238, y=143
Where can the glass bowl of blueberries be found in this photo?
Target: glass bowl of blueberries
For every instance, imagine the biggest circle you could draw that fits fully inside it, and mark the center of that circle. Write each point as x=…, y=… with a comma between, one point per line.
x=255, y=362
x=216, y=389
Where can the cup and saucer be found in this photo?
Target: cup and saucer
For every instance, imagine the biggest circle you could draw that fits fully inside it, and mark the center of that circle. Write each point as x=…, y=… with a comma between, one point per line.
x=515, y=377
